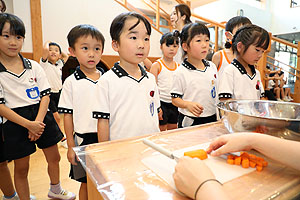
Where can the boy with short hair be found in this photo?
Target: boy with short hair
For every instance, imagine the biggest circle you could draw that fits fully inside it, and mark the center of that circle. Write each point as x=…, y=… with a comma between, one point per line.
x=52, y=61
x=128, y=98
x=86, y=43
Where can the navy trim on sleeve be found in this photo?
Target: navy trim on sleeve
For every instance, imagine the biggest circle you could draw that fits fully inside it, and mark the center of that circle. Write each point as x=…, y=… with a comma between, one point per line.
x=2, y=101
x=174, y=95
x=225, y=95
x=65, y=110
x=101, y=115
x=45, y=92
x=262, y=95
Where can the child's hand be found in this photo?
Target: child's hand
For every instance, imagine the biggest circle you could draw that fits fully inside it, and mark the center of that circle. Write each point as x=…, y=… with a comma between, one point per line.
x=160, y=114
x=189, y=173
x=36, y=128
x=195, y=108
x=71, y=156
x=33, y=137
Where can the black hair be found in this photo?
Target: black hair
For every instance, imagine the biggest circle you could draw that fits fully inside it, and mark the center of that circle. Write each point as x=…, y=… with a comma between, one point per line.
x=3, y=6
x=17, y=26
x=234, y=22
x=184, y=9
x=250, y=35
x=169, y=39
x=189, y=31
x=84, y=30
x=118, y=23
x=55, y=44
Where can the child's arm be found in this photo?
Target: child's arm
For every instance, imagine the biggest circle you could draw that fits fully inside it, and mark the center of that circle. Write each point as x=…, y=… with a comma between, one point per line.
x=69, y=129
x=216, y=59
x=64, y=56
x=194, y=107
x=45, y=51
x=155, y=69
x=34, y=127
x=147, y=64
x=103, y=130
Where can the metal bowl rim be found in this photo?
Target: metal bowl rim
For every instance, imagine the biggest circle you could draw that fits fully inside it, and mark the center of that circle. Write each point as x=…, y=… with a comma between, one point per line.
x=265, y=101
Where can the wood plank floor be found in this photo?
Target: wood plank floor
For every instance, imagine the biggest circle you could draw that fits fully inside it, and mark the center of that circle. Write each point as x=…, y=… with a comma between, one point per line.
x=38, y=176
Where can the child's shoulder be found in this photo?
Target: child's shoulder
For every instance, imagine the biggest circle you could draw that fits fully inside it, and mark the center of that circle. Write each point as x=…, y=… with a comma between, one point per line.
x=31, y=64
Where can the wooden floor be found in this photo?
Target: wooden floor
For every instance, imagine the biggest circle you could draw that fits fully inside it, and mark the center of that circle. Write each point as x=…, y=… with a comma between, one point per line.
x=38, y=176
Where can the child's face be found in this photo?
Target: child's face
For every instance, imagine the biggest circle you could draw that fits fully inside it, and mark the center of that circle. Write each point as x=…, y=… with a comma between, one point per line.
x=10, y=45
x=54, y=53
x=134, y=45
x=169, y=51
x=198, y=47
x=252, y=55
x=88, y=51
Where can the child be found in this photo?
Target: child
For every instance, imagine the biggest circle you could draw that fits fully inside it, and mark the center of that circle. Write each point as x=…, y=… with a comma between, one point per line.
x=128, y=95
x=195, y=81
x=224, y=57
x=240, y=79
x=24, y=98
x=52, y=62
x=86, y=43
x=163, y=70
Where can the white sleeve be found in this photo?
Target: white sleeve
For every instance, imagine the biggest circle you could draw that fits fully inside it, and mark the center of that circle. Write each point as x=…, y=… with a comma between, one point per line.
x=177, y=86
x=2, y=100
x=261, y=87
x=225, y=86
x=102, y=104
x=65, y=104
x=41, y=79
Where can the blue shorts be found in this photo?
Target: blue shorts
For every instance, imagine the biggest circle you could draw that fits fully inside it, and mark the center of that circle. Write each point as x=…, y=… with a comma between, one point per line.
x=16, y=142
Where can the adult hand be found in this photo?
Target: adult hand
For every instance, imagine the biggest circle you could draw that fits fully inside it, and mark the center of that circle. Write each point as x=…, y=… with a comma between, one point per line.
x=189, y=174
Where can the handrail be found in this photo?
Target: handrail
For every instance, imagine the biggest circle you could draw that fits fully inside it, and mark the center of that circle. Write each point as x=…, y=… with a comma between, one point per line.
x=282, y=63
x=298, y=76
x=209, y=21
x=276, y=39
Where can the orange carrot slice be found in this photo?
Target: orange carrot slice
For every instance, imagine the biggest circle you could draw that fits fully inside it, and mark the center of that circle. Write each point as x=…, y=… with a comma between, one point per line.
x=199, y=153
x=259, y=168
x=237, y=160
x=245, y=163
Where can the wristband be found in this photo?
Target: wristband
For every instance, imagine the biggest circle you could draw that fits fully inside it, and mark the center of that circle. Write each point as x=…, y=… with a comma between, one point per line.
x=203, y=184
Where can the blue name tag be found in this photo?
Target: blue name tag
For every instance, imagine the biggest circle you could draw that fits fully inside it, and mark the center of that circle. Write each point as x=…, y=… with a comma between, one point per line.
x=33, y=93
x=213, y=92
x=152, y=108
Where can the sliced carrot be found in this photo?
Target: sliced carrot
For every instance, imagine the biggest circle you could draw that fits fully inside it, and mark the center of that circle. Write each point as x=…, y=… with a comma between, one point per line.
x=265, y=163
x=245, y=163
x=260, y=159
x=199, y=153
x=230, y=161
x=230, y=156
x=259, y=163
x=259, y=168
x=252, y=164
x=238, y=160
x=252, y=156
x=244, y=155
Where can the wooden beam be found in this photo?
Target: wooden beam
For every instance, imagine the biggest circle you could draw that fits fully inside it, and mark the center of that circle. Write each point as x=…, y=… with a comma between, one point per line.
x=36, y=28
x=296, y=95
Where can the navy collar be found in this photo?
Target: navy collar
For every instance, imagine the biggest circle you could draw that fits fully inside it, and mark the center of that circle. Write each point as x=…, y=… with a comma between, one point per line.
x=79, y=74
x=189, y=66
x=242, y=69
x=120, y=72
x=26, y=64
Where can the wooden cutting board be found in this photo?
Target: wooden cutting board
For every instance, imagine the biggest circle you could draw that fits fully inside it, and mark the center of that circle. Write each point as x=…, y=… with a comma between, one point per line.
x=164, y=166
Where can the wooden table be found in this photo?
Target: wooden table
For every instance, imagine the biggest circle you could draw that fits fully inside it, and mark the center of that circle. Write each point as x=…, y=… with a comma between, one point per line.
x=115, y=169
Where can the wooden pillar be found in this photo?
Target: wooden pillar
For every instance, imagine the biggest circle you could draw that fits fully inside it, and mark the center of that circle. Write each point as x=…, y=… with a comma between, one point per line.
x=296, y=95
x=216, y=38
x=36, y=28
x=157, y=14
x=262, y=63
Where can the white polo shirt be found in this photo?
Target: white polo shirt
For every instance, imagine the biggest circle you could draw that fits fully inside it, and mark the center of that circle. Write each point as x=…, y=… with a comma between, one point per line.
x=78, y=98
x=53, y=73
x=236, y=83
x=165, y=81
x=24, y=89
x=129, y=104
x=195, y=85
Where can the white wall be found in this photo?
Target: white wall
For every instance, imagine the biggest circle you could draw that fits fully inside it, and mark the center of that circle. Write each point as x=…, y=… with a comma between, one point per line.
x=277, y=16
x=223, y=10
x=58, y=17
x=21, y=8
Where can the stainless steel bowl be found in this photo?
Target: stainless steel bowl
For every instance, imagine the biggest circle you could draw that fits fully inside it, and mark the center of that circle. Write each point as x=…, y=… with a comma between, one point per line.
x=281, y=119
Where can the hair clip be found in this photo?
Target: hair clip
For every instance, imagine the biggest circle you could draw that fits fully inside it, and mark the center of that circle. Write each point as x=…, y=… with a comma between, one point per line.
x=176, y=33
